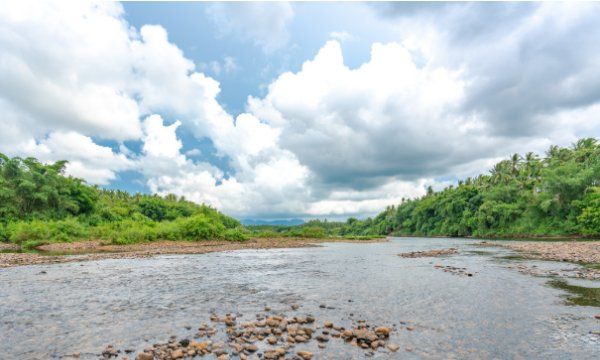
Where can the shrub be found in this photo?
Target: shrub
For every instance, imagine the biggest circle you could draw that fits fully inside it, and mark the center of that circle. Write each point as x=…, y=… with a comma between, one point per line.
x=236, y=234
x=22, y=231
x=37, y=232
x=200, y=227
x=4, y=236
x=312, y=232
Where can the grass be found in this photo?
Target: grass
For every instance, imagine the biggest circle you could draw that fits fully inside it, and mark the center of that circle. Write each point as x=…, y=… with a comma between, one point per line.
x=579, y=295
x=595, y=266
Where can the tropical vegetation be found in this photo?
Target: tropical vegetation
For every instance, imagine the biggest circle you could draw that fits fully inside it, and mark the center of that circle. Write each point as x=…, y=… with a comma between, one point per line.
x=39, y=204
x=557, y=194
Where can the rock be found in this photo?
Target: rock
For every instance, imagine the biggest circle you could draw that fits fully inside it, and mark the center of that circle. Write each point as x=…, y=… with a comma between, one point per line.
x=272, y=321
x=199, y=346
x=184, y=342
x=597, y=316
x=430, y=253
x=301, y=338
x=410, y=328
x=274, y=354
x=110, y=351
x=295, y=306
x=393, y=347
x=236, y=347
x=177, y=354
x=322, y=338
x=250, y=347
x=383, y=331
x=347, y=334
x=223, y=357
x=144, y=356
x=272, y=340
x=328, y=324
x=365, y=335
x=305, y=355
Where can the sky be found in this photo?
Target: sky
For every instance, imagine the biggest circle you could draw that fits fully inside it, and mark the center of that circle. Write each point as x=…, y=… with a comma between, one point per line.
x=294, y=110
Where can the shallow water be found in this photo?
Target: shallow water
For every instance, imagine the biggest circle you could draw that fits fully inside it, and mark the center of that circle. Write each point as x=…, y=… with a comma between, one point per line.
x=131, y=303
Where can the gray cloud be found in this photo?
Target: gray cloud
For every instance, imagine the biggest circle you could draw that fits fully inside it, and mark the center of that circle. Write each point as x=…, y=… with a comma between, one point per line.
x=523, y=61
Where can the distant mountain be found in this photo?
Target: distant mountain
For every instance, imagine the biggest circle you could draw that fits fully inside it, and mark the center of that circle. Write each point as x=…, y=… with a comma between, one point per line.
x=281, y=222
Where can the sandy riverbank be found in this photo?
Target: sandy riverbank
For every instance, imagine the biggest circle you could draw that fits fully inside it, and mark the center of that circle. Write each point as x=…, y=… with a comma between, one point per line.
x=98, y=250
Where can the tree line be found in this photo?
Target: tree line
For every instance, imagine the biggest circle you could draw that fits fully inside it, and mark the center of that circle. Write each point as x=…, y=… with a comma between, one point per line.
x=530, y=195
x=39, y=204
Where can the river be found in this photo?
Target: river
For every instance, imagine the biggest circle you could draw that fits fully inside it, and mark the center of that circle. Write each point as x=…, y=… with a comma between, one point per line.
x=50, y=311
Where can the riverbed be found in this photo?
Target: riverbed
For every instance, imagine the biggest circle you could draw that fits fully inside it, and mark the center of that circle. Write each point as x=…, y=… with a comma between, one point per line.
x=53, y=311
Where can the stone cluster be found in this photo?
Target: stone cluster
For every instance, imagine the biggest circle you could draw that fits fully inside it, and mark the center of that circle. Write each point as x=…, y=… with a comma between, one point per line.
x=454, y=270
x=269, y=337
x=429, y=253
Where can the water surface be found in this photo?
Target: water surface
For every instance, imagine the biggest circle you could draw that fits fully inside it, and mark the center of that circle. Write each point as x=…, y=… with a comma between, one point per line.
x=131, y=303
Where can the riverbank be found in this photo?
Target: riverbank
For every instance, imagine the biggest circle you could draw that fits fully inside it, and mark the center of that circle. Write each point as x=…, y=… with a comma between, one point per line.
x=571, y=251
x=99, y=250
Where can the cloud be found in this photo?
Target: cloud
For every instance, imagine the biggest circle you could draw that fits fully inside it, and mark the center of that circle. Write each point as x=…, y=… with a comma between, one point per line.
x=363, y=127
x=522, y=61
x=267, y=181
x=263, y=23
x=228, y=65
x=460, y=87
x=59, y=72
x=341, y=36
x=98, y=164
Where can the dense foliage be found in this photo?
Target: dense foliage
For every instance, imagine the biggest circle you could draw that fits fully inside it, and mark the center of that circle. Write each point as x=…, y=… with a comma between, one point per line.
x=558, y=194
x=38, y=204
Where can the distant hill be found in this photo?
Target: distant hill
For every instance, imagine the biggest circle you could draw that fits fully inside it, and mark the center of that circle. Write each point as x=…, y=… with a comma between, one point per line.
x=281, y=222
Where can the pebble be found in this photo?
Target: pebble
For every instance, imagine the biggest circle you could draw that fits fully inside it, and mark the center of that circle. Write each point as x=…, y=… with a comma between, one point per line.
x=248, y=340
x=144, y=356
x=305, y=355
x=393, y=347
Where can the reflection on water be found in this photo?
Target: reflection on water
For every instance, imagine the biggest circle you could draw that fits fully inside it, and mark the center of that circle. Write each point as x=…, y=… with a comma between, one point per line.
x=131, y=303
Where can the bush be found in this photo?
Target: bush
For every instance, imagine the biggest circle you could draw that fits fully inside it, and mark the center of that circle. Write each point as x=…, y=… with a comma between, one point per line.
x=237, y=234
x=28, y=231
x=200, y=227
x=312, y=232
x=4, y=236
x=36, y=232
